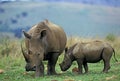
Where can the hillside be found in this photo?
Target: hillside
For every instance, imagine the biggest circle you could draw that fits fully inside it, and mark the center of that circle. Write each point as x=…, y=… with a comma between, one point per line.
x=115, y=3
x=76, y=19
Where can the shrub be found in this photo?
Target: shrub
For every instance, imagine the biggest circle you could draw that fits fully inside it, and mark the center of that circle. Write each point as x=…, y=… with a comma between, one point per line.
x=24, y=14
x=0, y=21
x=110, y=37
x=14, y=21
x=2, y=10
x=18, y=32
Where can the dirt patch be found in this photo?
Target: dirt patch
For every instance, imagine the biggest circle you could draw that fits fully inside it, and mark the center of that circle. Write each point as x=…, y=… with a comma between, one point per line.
x=1, y=71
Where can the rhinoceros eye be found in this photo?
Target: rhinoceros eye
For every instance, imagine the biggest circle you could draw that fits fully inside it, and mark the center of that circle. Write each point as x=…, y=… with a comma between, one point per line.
x=29, y=52
x=38, y=54
x=63, y=62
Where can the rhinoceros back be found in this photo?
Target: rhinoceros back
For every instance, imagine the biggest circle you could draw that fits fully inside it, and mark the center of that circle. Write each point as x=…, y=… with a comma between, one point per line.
x=55, y=38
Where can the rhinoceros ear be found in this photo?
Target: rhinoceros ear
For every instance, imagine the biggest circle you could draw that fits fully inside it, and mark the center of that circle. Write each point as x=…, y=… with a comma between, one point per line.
x=46, y=21
x=27, y=35
x=43, y=33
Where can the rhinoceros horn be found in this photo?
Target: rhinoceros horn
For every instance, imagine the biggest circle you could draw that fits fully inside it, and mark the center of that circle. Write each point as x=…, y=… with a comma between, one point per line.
x=24, y=54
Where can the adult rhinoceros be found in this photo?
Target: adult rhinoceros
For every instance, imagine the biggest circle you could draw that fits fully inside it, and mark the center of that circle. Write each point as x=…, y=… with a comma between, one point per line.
x=44, y=41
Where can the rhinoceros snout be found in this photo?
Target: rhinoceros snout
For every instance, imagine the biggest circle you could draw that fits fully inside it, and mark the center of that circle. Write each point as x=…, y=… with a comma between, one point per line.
x=61, y=67
x=30, y=68
x=34, y=68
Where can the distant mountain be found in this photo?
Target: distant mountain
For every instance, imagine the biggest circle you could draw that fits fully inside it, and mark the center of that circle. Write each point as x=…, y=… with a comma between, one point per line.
x=115, y=3
x=76, y=19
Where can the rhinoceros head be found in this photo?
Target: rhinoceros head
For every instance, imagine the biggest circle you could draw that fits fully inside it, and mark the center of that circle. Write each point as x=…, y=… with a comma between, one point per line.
x=67, y=61
x=68, y=58
x=36, y=50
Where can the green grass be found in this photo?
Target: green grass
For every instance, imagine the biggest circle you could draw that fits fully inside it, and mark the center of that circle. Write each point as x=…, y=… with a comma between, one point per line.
x=13, y=66
x=16, y=73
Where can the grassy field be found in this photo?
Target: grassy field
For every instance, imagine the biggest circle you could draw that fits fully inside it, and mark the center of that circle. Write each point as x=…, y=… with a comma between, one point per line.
x=12, y=62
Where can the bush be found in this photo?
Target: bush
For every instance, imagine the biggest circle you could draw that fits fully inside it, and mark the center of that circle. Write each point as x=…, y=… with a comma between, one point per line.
x=18, y=32
x=2, y=10
x=24, y=14
x=110, y=37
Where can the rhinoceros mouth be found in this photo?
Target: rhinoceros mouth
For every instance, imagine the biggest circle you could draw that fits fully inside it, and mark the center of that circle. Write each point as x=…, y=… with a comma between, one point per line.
x=31, y=69
x=62, y=68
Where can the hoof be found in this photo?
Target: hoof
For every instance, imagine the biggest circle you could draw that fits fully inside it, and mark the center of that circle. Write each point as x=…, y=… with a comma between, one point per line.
x=52, y=73
x=105, y=71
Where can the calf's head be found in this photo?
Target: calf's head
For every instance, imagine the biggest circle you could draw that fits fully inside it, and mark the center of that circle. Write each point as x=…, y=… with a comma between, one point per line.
x=35, y=52
x=67, y=61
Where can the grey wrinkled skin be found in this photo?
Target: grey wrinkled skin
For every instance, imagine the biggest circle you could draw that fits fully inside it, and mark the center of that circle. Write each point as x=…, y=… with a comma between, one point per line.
x=90, y=52
x=44, y=41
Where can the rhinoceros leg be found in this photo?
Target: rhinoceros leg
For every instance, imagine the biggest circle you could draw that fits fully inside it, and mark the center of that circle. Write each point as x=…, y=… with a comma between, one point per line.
x=80, y=63
x=51, y=64
x=39, y=70
x=106, y=65
x=106, y=58
x=85, y=67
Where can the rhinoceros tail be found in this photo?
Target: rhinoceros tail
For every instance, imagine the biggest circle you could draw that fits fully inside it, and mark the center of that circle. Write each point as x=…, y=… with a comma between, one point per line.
x=114, y=55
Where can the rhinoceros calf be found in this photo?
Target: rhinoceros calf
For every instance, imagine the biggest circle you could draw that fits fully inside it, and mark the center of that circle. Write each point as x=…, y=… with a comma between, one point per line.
x=90, y=52
x=44, y=41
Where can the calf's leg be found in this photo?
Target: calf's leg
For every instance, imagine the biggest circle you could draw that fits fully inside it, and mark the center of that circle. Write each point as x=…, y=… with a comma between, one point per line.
x=85, y=67
x=106, y=65
x=106, y=59
x=80, y=62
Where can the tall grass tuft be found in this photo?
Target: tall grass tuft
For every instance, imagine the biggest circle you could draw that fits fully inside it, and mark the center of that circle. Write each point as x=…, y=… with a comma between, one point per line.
x=10, y=53
x=111, y=37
